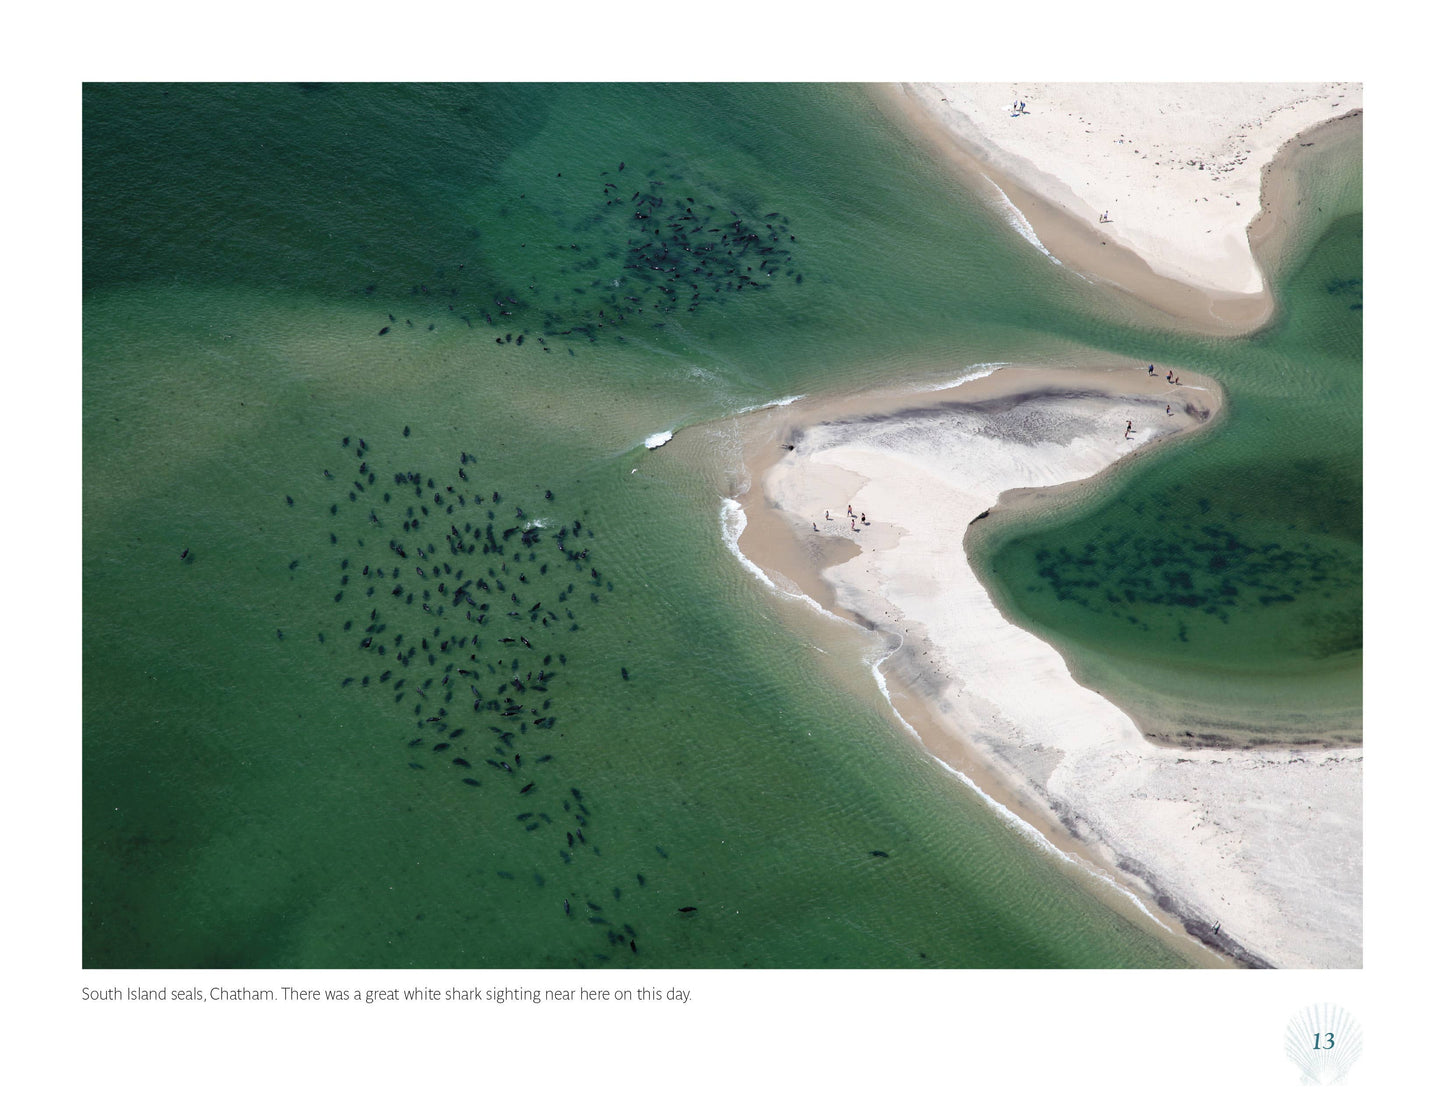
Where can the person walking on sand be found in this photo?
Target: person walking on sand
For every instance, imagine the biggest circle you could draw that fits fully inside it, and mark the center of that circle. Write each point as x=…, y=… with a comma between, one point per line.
x=827, y=515
x=815, y=525
x=1151, y=370
x=1168, y=410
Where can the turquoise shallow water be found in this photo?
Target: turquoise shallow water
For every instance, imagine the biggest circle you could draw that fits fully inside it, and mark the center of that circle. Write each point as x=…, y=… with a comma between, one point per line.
x=720, y=804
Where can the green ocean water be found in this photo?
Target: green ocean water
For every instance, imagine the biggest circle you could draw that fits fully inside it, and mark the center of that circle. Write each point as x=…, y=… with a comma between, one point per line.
x=711, y=798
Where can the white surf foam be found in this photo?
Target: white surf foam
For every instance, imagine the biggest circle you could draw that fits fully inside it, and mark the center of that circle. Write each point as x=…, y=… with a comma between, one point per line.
x=1019, y=222
x=733, y=520
x=661, y=438
x=972, y=372
x=875, y=667
x=783, y=402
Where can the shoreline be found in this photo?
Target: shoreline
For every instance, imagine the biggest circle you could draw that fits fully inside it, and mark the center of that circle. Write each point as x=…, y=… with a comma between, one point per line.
x=1054, y=178
x=1275, y=232
x=971, y=686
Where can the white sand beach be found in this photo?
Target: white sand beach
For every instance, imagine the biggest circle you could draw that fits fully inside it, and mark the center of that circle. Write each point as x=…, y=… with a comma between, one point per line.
x=1176, y=167
x=1266, y=842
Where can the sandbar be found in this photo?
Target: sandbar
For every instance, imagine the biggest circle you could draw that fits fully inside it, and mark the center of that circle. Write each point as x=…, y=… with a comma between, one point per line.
x=1265, y=843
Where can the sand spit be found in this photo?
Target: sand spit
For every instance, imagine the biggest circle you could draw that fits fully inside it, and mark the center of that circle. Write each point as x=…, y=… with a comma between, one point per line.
x=1267, y=843
x=1176, y=167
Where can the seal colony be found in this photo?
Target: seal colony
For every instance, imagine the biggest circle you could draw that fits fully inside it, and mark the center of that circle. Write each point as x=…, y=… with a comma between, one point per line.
x=455, y=602
x=652, y=246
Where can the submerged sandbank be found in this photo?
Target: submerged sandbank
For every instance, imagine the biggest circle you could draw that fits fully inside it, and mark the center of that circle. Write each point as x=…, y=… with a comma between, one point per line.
x=1264, y=842
x=1178, y=168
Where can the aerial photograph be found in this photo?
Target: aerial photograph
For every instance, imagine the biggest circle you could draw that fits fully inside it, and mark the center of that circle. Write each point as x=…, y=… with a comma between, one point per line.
x=696, y=526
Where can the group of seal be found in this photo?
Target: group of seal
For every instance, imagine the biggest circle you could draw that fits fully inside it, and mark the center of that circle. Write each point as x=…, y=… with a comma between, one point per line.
x=460, y=603
x=1212, y=572
x=650, y=247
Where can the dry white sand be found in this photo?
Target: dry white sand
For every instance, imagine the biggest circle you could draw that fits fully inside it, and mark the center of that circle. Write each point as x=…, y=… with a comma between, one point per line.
x=1176, y=166
x=1265, y=841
